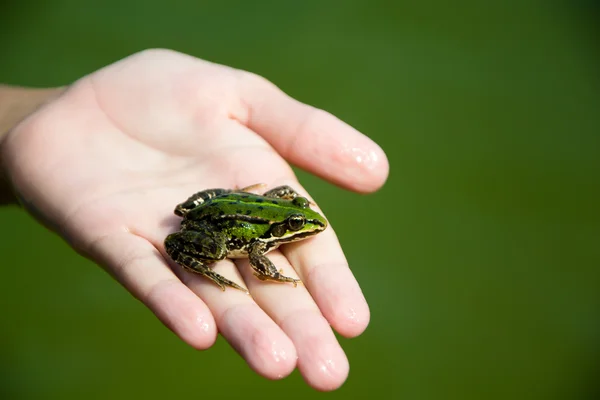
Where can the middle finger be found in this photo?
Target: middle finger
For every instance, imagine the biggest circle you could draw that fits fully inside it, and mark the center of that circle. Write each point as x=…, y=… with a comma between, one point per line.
x=321, y=360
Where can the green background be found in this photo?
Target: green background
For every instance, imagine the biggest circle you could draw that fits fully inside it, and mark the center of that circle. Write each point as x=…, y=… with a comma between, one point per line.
x=479, y=258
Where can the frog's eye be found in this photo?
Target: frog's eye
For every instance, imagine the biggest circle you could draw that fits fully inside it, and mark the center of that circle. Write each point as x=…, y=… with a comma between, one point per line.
x=301, y=202
x=296, y=222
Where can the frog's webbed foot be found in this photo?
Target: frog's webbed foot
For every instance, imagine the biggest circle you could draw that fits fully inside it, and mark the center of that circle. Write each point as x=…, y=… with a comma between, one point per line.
x=199, y=267
x=265, y=270
x=196, y=199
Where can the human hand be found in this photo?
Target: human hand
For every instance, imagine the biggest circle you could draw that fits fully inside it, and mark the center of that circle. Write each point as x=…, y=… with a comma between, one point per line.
x=105, y=163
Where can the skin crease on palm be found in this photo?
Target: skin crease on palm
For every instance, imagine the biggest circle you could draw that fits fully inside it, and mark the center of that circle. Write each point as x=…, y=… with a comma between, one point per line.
x=105, y=163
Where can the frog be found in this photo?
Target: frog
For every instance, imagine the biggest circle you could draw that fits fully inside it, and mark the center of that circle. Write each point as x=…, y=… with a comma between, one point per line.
x=236, y=223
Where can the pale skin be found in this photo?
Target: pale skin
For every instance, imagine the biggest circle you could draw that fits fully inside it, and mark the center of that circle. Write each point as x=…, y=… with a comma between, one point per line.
x=104, y=161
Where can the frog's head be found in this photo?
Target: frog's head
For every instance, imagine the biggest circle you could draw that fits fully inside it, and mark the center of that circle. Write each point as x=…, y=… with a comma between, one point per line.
x=300, y=222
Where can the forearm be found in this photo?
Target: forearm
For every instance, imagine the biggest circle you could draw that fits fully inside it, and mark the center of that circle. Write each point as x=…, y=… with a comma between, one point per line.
x=16, y=103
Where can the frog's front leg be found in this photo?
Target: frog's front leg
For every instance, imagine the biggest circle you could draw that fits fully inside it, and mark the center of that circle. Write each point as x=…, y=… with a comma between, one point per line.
x=192, y=250
x=264, y=268
x=196, y=199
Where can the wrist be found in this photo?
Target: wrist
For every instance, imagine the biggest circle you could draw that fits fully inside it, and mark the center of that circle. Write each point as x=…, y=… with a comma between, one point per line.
x=16, y=104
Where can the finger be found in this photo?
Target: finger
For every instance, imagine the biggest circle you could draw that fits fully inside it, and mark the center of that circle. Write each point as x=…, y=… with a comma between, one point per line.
x=311, y=138
x=321, y=360
x=255, y=336
x=321, y=264
x=264, y=346
x=139, y=267
x=322, y=267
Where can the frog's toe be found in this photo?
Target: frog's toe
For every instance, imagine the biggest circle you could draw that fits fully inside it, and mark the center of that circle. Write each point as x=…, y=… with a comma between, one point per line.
x=277, y=276
x=224, y=282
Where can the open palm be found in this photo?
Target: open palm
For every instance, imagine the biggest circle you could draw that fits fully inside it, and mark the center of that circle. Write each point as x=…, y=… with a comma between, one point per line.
x=106, y=162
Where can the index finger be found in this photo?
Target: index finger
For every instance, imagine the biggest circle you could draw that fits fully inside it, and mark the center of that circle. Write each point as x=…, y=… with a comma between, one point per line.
x=311, y=138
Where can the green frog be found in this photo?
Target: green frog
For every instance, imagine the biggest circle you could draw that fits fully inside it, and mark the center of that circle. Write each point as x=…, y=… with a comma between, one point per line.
x=235, y=223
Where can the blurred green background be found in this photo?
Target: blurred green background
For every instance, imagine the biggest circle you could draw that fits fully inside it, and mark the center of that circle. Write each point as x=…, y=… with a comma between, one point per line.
x=479, y=258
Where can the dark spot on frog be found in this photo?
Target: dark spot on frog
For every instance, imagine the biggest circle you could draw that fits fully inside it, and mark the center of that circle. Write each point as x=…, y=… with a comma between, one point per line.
x=238, y=211
x=261, y=208
x=259, y=200
x=248, y=212
x=274, y=201
x=244, y=196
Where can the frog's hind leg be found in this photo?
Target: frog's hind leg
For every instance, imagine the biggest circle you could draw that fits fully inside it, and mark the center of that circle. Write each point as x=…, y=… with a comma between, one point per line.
x=264, y=268
x=196, y=199
x=282, y=192
x=251, y=188
x=186, y=248
x=288, y=193
x=193, y=265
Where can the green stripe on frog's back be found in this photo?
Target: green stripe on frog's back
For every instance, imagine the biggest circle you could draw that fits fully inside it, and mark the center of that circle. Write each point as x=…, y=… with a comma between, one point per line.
x=251, y=208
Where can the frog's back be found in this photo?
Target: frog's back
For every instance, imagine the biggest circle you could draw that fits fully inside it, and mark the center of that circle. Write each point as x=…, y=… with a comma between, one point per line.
x=244, y=206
